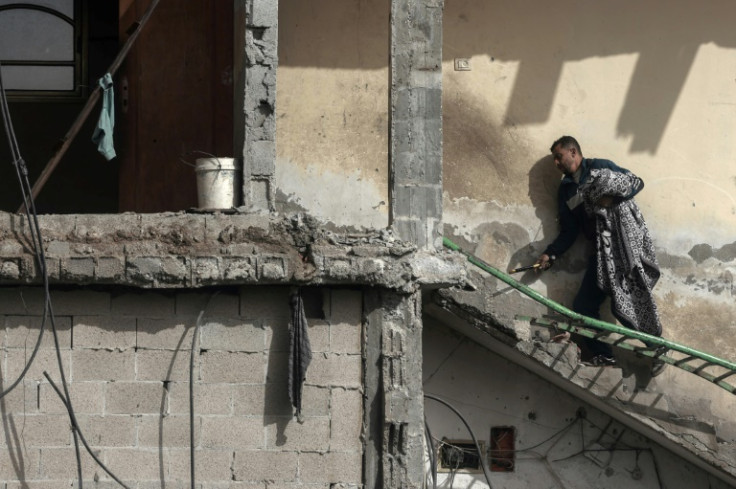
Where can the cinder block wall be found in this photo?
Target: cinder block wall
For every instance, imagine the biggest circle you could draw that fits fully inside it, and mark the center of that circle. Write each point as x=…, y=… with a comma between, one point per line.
x=126, y=356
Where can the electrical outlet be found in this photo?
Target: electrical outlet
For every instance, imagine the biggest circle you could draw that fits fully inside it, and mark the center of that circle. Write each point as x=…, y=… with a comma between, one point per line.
x=462, y=64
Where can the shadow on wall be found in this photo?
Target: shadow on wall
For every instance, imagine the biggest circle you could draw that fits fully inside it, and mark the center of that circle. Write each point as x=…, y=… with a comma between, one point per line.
x=664, y=35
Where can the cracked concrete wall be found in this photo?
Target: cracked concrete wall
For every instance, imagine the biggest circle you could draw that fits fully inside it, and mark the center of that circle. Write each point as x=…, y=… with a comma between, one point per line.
x=550, y=435
x=633, y=88
x=332, y=115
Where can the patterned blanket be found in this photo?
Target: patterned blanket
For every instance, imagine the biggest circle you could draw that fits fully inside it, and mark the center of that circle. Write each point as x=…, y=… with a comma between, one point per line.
x=627, y=265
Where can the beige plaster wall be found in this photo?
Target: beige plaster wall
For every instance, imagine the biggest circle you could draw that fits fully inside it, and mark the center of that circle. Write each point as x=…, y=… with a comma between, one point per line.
x=332, y=110
x=651, y=86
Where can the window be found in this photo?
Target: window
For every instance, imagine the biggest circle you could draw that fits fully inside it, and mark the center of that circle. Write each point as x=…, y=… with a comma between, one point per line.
x=42, y=49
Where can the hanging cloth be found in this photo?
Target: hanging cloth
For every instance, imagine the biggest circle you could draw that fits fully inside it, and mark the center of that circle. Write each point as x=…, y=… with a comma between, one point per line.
x=627, y=264
x=102, y=135
x=300, y=351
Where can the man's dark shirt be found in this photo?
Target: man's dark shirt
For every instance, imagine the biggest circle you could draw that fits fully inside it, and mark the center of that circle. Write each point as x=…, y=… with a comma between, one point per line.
x=572, y=215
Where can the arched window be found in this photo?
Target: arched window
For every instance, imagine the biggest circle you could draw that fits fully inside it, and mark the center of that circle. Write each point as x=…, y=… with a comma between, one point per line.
x=42, y=48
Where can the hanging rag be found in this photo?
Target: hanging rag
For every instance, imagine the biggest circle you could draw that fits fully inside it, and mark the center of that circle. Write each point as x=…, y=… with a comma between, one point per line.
x=102, y=135
x=300, y=351
x=627, y=264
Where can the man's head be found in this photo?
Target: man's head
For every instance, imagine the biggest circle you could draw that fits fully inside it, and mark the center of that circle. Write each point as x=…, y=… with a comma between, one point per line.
x=567, y=154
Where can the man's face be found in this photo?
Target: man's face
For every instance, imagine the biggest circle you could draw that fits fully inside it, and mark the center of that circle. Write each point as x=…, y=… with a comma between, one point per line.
x=566, y=159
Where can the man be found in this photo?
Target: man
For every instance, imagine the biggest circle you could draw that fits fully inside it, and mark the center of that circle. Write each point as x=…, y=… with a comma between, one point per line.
x=596, y=197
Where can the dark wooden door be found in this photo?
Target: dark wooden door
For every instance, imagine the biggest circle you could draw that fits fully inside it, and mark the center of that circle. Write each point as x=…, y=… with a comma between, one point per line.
x=178, y=79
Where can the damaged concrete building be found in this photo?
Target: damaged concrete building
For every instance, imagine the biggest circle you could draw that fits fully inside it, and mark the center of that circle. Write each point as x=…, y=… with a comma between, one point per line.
x=367, y=131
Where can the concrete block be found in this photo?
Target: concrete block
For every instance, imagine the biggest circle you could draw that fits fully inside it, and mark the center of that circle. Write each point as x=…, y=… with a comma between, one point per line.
x=412, y=230
x=335, y=370
x=263, y=13
x=410, y=167
x=251, y=400
x=272, y=268
x=38, y=430
x=22, y=300
x=231, y=334
x=22, y=399
x=277, y=334
x=15, y=468
x=10, y=269
x=135, y=398
x=232, y=367
x=45, y=361
x=87, y=398
x=53, y=484
x=103, y=365
x=162, y=365
x=315, y=401
x=149, y=270
x=168, y=333
x=59, y=463
x=286, y=433
x=265, y=302
x=418, y=201
x=233, y=432
x=238, y=268
x=144, y=304
x=332, y=467
x=222, y=304
x=22, y=332
x=109, y=332
x=78, y=269
x=262, y=157
x=209, y=399
x=318, y=331
x=346, y=338
x=110, y=268
x=137, y=464
x=271, y=465
x=80, y=302
x=273, y=400
x=167, y=431
x=346, y=306
x=346, y=411
x=210, y=466
x=109, y=431
x=277, y=369
x=205, y=270
x=338, y=268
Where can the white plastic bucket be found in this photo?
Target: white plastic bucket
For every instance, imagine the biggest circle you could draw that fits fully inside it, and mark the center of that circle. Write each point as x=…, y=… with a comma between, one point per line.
x=218, y=183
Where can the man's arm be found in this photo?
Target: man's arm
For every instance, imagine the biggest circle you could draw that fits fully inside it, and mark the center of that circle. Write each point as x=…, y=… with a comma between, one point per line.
x=569, y=230
x=637, y=184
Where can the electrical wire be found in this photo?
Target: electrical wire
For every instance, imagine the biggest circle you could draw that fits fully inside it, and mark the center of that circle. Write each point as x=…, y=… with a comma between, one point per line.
x=20, y=170
x=432, y=453
x=75, y=426
x=472, y=435
x=197, y=325
x=35, y=230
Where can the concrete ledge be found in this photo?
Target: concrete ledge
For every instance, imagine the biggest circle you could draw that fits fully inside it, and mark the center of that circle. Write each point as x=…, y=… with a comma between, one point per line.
x=186, y=250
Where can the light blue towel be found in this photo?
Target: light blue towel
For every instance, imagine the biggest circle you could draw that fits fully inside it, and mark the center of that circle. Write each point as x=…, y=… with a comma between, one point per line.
x=105, y=125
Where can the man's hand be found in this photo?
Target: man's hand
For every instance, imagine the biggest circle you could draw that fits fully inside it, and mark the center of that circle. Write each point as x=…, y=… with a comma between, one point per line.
x=545, y=262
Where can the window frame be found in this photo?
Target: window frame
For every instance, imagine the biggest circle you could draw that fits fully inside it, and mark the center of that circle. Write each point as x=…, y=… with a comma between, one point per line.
x=80, y=27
